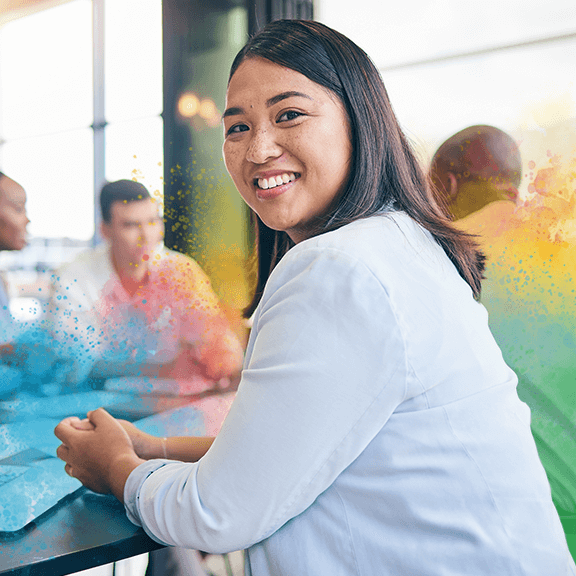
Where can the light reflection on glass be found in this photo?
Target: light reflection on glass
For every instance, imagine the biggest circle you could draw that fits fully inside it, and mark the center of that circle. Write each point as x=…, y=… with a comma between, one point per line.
x=56, y=172
x=133, y=58
x=134, y=150
x=46, y=71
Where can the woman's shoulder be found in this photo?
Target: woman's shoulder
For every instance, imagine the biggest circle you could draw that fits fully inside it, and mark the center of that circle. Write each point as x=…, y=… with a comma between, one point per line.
x=388, y=239
x=332, y=258
x=330, y=278
x=389, y=253
x=376, y=229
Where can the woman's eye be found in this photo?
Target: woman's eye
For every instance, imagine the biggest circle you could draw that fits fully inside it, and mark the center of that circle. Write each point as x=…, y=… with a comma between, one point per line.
x=237, y=128
x=289, y=115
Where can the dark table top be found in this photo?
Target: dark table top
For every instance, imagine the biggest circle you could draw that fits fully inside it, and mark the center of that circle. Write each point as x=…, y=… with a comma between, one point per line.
x=87, y=529
x=84, y=531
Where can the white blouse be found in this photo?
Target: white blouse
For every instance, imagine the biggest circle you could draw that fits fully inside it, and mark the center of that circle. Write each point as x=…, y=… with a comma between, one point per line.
x=376, y=430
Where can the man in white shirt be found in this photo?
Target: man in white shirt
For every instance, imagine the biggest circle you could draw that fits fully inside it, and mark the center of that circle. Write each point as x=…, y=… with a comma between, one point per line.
x=132, y=307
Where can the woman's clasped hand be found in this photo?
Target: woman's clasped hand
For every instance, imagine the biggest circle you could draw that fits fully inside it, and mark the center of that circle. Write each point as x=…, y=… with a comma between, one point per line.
x=98, y=451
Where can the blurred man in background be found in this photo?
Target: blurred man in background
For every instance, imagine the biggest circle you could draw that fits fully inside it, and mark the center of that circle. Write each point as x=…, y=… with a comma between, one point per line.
x=133, y=307
x=530, y=268
x=475, y=167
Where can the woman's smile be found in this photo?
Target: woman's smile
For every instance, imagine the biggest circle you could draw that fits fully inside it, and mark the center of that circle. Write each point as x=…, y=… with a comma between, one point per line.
x=272, y=185
x=287, y=146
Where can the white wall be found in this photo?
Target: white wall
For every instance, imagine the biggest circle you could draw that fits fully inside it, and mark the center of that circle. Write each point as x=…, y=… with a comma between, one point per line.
x=528, y=91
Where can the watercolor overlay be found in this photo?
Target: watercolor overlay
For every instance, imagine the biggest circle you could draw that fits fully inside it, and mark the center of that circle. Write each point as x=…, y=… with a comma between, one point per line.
x=530, y=295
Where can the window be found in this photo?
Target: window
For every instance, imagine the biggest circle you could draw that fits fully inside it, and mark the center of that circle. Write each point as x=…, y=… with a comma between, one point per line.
x=80, y=102
x=452, y=64
x=46, y=113
x=133, y=91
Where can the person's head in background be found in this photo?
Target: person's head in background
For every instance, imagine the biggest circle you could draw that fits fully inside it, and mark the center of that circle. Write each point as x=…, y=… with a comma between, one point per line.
x=13, y=217
x=131, y=223
x=474, y=167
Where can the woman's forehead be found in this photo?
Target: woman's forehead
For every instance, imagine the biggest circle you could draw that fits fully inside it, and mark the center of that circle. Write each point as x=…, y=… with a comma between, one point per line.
x=260, y=81
x=259, y=76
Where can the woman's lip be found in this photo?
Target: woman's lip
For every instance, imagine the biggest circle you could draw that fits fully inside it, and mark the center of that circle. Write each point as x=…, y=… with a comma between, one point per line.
x=273, y=192
x=274, y=173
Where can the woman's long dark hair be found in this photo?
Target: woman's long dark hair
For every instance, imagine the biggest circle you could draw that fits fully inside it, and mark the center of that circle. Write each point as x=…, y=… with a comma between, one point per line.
x=384, y=169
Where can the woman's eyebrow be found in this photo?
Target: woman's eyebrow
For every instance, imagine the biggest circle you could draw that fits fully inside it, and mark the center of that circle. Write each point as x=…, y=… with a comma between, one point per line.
x=284, y=95
x=236, y=110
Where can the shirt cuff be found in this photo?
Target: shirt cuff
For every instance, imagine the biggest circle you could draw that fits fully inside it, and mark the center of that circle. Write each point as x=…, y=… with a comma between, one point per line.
x=132, y=490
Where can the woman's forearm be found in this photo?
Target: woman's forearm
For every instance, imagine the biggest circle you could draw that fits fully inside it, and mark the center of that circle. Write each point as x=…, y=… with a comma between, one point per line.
x=182, y=448
x=185, y=448
x=119, y=470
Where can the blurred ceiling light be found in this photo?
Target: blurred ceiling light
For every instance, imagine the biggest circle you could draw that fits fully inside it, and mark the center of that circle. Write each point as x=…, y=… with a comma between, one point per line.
x=188, y=105
x=208, y=109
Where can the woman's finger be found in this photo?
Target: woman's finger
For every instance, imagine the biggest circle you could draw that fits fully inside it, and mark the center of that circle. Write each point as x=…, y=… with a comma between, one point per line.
x=62, y=452
x=100, y=417
x=82, y=424
x=63, y=431
x=78, y=424
x=71, y=420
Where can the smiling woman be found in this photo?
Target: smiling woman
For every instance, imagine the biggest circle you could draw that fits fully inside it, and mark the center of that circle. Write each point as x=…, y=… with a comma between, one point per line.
x=376, y=430
x=287, y=146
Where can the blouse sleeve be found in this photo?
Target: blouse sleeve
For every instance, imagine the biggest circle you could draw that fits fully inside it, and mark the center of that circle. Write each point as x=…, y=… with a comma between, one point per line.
x=325, y=368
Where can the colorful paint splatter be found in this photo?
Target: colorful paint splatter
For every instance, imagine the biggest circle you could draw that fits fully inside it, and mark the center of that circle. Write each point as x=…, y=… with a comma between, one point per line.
x=530, y=294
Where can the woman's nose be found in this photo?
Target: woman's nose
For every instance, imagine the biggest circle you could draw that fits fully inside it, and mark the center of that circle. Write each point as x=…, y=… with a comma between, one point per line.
x=263, y=146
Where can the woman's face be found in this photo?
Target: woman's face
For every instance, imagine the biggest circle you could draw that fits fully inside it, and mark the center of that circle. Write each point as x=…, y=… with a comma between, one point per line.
x=287, y=145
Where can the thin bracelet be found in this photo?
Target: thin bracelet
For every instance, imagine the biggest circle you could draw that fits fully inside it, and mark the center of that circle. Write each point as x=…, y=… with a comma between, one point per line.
x=164, y=451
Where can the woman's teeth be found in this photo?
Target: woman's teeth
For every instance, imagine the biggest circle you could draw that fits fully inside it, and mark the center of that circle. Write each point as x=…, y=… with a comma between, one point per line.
x=267, y=183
